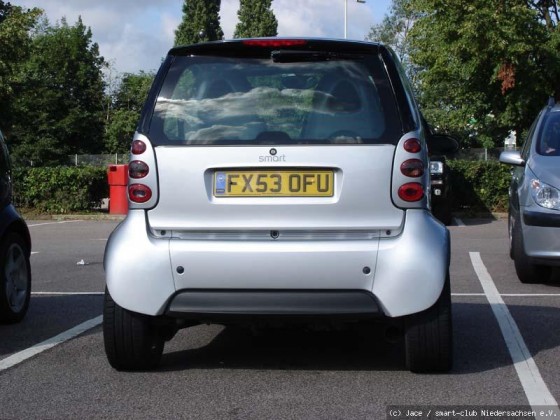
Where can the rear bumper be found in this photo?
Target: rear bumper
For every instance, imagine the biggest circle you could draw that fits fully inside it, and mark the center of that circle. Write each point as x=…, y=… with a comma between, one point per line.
x=392, y=276
x=216, y=304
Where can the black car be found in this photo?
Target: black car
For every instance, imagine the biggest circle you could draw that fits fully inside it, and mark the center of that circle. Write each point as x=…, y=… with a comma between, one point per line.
x=15, y=249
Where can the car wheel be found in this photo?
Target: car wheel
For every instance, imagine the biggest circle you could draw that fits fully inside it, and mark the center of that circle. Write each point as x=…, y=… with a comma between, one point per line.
x=428, y=336
x=527, y=272
x=15, y=278
x=132, y=342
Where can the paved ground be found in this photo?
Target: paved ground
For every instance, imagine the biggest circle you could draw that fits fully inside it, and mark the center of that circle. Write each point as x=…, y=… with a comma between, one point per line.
x=216, y=372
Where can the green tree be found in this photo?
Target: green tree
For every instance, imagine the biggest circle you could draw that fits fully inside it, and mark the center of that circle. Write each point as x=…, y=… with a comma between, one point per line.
x=394, y=32
x=59, y=103
x=487, y=65
x=15, y=47
x=201, y=22
x=256, y=19
x=126, y=105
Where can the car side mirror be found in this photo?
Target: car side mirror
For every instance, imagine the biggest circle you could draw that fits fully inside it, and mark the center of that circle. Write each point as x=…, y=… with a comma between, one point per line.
x=512, y=157
x=442, y=144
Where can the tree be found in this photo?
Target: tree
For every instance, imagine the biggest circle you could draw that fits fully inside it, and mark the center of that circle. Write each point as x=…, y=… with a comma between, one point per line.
x=256, y=19
x=15, y=46
x=201, y=22
x=127, y=103
x=394, y=32
x=58, y=103
x=487, y=65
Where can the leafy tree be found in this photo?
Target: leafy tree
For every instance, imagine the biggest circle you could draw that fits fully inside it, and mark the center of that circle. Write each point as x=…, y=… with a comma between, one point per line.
x=256, y=19
x=127, y=103
x=15, y=44
x=487, y=65
x=201, y=22
x=58, y=105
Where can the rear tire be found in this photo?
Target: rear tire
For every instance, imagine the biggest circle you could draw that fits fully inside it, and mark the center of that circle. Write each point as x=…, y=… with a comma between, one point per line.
x=15, y=278
x=526, y=270
x=429, y=336
x=132, y=342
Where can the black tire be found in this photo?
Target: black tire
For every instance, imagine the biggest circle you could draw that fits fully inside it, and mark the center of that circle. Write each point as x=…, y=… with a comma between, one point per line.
x=15, y=278
x=526, y=270
x=132, y=342
x=429, y=336
x=511, y=223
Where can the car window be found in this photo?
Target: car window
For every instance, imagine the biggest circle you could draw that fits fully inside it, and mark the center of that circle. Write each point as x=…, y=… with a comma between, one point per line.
x=529, y=140
x=224, y=100
x=549, y=135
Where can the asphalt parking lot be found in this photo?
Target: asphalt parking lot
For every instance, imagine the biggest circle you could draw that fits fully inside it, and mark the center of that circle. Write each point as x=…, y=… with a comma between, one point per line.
x=52, y=365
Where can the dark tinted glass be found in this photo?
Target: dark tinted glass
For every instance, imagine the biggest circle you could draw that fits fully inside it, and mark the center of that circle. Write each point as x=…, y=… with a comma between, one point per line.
x=243, y=101
x=549, y=135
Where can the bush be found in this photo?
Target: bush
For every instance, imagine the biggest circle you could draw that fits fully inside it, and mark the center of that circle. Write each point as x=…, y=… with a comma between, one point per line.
x=60, y=190
x=479, y=186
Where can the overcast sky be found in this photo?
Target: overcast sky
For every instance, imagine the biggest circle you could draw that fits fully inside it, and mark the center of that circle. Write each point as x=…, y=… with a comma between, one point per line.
x=136, y=34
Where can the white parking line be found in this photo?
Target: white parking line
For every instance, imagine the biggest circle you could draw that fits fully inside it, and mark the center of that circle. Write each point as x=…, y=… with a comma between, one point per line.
x=55, y=223
x=529, y=375
x=23, y=355
x=458, y=222
x=509, y=294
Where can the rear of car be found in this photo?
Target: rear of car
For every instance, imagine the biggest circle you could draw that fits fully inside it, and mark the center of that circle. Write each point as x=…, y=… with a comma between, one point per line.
x=534, y=208
x=278, y=178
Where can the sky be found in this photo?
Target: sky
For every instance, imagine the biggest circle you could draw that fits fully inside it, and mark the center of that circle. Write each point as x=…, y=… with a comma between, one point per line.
x=135, y=35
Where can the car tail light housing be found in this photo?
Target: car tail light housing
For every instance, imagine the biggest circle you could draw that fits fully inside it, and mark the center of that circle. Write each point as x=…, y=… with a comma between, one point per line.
x=138, y=169
x=412, y=168
x=138, y=147
x=139, y=193
x=142, y=174
x=411, y=192
x=411, y=178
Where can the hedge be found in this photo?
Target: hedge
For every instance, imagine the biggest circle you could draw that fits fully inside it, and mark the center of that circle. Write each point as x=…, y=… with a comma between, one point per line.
x=60, y=190
x=479, y=186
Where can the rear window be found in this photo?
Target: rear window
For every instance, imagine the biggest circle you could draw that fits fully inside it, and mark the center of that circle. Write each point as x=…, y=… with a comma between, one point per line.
x=242, y=101
x=549, y=135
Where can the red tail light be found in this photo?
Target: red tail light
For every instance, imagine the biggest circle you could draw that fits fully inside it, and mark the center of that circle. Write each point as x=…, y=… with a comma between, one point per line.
x=412, y=168
x=138, y=147
x=274, y=43
x=412, y=191
x=139, y=193
x=137, y=169
x=412, y=145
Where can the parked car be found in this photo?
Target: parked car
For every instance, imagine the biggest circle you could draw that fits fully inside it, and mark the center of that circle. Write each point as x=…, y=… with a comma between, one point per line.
x=15, y=249
x=282, y=180
x=534, y=198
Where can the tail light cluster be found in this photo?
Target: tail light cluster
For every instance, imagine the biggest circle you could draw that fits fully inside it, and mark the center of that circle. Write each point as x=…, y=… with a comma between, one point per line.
x=140, y=182
x=409, y=174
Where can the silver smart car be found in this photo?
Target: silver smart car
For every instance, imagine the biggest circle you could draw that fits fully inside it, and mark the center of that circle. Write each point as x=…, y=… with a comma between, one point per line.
x=278, y=179
x=534, y=204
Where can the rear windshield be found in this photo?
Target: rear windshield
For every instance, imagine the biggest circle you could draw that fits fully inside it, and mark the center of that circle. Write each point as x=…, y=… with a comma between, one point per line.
x=549, y=136
x=242, y=101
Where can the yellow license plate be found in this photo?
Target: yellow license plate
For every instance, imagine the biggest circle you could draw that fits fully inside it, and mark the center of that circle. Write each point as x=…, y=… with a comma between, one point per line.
x=274, y=183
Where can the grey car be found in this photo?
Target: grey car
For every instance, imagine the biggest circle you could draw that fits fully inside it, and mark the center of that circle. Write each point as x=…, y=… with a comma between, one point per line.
x=534, y=199
x=278, y=181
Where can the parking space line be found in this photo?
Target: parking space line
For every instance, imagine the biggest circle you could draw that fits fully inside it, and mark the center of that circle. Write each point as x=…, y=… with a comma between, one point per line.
x=23, y=355
x=509, y=294
x=529, y=375
x=55, y=223
x=458, y=222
